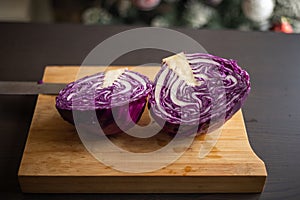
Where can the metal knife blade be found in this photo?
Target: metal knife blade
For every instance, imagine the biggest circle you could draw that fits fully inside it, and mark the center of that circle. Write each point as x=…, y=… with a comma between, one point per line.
x=29, y=88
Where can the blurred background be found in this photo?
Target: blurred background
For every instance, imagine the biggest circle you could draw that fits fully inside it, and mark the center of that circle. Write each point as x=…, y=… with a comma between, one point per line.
x=246, y=15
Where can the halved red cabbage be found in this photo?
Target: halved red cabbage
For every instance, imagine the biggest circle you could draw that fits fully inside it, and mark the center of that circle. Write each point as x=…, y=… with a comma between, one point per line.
x=202, y=93
x=118, y=97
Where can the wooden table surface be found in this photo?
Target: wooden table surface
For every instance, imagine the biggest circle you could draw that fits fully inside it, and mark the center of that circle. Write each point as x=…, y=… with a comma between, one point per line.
x=272, y=111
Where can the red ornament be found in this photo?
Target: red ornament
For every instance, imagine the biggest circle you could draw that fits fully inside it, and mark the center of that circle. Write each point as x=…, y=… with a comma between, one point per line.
x=145, y=5
x=284, y=26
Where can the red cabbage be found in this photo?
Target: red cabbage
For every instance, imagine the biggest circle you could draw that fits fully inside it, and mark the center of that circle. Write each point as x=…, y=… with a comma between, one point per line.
x=220, y=88
x=118, y=101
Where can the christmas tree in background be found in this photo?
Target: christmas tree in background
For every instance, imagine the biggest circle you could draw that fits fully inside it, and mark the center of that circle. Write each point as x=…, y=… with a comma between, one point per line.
x=263, y=15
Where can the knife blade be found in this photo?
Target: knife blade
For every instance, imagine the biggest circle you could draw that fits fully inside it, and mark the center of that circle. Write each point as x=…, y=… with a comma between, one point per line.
x=29, y=88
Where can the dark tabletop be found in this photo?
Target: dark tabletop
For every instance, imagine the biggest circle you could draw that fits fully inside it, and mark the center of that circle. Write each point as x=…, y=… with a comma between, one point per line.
x=272, y=111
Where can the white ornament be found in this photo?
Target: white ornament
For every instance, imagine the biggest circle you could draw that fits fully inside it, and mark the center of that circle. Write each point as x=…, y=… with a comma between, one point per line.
x=258, y=10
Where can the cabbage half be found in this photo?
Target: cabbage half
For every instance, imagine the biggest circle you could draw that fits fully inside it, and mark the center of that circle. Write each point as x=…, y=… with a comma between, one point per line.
x=118, y=98
x=197, y=91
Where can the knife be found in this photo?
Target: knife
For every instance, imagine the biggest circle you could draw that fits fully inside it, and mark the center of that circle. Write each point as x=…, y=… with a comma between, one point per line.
x=29, y=88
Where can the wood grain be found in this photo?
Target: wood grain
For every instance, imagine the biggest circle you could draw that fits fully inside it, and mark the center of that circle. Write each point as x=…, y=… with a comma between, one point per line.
x=55, y=160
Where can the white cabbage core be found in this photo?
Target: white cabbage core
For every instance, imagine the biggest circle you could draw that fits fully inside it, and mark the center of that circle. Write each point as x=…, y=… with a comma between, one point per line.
x=111, y=76
x=180, y=66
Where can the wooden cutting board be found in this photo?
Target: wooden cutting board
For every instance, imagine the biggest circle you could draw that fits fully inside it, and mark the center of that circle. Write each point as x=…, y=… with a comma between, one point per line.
x=55, y=160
